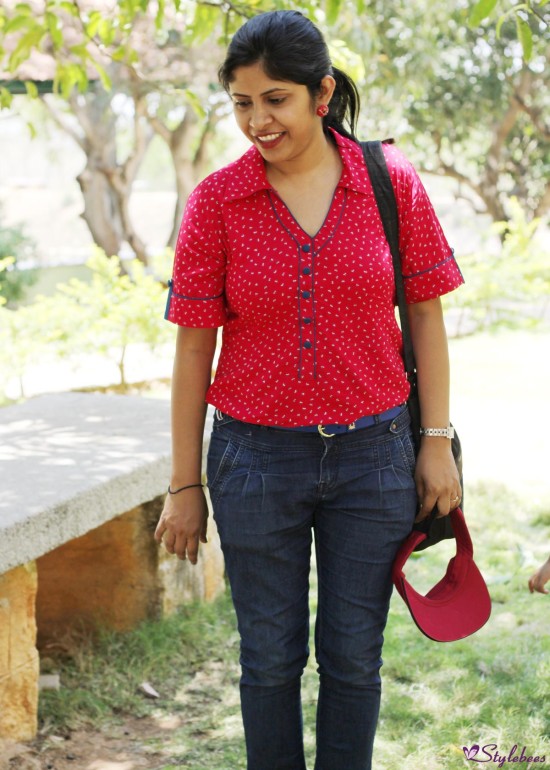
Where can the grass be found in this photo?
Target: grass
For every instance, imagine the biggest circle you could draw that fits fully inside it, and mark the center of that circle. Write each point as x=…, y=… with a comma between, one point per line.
x=491, y=688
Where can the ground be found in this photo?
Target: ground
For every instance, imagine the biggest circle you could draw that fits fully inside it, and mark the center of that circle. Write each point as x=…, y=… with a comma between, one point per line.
x=153, y=742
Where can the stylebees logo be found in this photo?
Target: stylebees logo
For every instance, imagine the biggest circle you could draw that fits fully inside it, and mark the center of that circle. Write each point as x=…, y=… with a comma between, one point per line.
x=490, y=753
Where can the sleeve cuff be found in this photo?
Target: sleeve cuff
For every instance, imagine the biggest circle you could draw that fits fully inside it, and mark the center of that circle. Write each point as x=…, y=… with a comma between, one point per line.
x=199, y=312
x=433, y=282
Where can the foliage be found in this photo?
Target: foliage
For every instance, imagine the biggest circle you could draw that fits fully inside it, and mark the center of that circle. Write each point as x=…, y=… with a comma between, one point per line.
x=520, y=13
x=117, y=308
x=14, y=243
x=84, y=42
x=104, y=316
x=509, y=287
x=461, y=101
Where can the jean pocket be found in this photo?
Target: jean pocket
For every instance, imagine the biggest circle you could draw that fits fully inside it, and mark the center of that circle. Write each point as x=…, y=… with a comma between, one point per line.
x=223, y=453
x=407, y=453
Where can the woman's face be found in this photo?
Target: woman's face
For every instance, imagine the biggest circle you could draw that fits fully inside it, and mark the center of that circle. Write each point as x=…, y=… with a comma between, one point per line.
x=278, y=116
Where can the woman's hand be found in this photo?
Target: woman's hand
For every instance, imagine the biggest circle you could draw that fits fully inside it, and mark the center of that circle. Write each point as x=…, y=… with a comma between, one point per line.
x=540, y=578
x=182, y=524
x=437, y=480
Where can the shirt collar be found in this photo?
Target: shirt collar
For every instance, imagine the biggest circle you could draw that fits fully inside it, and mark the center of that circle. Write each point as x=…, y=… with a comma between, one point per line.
x=247, y=174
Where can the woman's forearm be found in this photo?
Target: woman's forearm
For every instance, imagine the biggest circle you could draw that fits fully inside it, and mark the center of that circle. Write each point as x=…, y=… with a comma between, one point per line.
x=436, y=475
x=191, y=378
x=432, y=362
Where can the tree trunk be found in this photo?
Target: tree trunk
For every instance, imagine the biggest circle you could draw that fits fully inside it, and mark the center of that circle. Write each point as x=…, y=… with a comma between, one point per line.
x=100, y=206
x=107, y=184
x=189, y=165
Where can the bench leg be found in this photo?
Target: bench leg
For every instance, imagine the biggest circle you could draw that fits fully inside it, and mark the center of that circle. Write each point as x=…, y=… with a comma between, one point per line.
x=116, y=576
x=19, y=663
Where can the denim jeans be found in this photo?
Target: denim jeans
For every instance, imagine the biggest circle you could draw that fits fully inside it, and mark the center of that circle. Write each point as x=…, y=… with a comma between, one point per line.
x=270, y=490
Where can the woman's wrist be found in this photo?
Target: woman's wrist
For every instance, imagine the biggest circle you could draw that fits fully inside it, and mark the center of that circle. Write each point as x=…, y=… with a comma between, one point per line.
x=176, y=490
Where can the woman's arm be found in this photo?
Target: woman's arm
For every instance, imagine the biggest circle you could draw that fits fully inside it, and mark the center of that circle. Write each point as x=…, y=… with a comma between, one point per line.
x=182, y=524
x=437, y=479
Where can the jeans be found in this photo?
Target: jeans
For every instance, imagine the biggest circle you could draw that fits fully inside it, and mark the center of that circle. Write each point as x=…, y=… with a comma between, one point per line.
x=270, y=490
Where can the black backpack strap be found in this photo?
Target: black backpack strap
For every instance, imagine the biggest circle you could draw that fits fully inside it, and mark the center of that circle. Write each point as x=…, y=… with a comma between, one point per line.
x=387, y=208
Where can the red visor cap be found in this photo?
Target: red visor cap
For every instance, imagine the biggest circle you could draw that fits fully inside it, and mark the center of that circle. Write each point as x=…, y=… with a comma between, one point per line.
x=457, y=606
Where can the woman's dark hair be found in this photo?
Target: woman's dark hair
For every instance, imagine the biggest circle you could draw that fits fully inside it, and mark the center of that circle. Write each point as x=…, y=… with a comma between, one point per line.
x=290, y=47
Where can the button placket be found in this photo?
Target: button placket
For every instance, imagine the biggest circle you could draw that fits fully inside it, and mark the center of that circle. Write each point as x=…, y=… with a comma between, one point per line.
x=305, y=278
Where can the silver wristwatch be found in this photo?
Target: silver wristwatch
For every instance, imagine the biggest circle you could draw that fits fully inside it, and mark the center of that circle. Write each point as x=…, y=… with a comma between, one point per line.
x=443, y=432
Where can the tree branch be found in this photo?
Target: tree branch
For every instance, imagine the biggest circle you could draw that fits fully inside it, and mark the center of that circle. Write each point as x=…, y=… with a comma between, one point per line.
x=56, y=117
x=159, y=128
x=535, y=115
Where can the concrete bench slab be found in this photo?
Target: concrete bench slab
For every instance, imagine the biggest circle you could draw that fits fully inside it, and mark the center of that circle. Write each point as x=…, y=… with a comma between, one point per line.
x=82, y=480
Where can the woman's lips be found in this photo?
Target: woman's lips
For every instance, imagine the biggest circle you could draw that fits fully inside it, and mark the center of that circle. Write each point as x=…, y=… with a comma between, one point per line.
x=268, y=141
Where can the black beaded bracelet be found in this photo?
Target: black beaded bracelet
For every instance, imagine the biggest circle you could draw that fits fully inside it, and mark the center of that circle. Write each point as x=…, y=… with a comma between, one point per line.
x=189, y=486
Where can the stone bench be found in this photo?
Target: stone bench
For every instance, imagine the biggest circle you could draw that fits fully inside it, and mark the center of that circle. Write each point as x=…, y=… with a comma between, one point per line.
x=82, y=482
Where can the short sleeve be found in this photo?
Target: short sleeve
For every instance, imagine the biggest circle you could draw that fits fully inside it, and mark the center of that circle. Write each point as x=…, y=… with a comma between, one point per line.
x=428, y=264
x=196, y=295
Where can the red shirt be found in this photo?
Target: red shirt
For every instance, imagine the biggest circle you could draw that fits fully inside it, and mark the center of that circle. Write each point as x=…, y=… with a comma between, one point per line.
x=309, y=328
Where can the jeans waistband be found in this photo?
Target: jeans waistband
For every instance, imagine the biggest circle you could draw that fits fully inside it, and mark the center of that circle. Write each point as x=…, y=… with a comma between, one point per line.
x=337, y=429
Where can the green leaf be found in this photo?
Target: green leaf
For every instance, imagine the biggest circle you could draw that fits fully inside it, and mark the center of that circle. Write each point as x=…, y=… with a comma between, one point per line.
x=94, y=20
x=480, y=11
x=29, y=41
x=103, y=76
x=81, y=51
x=205, y=21
x=54, y=29
x=525, y=37
x=5, y=98
x=69, y=8
x=161, y=9
x=195, y=103
x=31, y=88
x=332, y=9
x=18, y=23
x=23, y=9
x=32, y=130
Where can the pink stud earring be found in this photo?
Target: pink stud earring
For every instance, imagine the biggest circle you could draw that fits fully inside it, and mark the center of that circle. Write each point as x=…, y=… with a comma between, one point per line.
x=322, y=110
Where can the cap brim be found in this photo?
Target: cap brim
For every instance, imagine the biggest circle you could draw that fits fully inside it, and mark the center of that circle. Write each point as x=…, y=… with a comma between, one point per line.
x=459, y=604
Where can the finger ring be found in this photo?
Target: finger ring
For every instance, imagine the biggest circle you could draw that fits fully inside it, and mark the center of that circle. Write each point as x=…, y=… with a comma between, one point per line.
x=455, y=499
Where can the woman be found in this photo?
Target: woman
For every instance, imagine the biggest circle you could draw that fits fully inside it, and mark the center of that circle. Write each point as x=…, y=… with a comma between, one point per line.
x=285, y=250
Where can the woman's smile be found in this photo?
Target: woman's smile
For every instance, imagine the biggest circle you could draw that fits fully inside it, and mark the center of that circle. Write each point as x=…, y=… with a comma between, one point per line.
x=269, y=141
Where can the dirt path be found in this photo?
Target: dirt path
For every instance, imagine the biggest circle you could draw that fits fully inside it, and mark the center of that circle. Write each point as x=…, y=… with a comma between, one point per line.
x=180, y=733
x=114, y=748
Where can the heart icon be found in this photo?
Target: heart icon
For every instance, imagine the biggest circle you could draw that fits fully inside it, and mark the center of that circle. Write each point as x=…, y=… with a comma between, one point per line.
x=470, y=753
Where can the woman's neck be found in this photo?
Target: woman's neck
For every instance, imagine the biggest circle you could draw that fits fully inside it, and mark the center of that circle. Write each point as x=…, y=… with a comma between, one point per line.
x=319, y=157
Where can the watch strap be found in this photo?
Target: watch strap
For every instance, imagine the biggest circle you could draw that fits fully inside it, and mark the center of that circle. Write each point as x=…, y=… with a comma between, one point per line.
x=441, y=432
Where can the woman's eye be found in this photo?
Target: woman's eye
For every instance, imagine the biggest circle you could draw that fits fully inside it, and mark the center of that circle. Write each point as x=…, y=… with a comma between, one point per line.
x=280, y=100
x=241, y=104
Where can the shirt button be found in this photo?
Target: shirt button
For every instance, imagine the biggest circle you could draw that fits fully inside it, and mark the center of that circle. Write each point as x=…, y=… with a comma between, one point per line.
x=306, y=294
x=307, y=344
x=307, y=320
x=306, y=247
x=306, y=270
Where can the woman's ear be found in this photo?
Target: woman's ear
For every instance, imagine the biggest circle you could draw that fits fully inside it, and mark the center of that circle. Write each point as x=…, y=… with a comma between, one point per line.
x=326, y=90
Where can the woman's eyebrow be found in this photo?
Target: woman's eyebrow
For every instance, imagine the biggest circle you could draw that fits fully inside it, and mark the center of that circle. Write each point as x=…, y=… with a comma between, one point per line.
x=265, y=93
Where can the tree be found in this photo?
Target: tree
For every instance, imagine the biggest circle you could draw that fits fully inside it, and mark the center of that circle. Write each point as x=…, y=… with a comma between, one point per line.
x=465, y=99
x=472, y=99
x=157, y=98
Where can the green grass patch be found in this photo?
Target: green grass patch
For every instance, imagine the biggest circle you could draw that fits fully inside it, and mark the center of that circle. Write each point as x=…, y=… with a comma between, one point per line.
x=491, y=688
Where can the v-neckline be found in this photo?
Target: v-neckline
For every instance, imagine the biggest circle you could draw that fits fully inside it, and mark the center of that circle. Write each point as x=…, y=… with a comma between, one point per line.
x=297, y=223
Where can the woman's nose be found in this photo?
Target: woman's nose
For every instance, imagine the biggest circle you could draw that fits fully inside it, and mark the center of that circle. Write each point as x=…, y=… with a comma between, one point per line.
x=260, y=118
